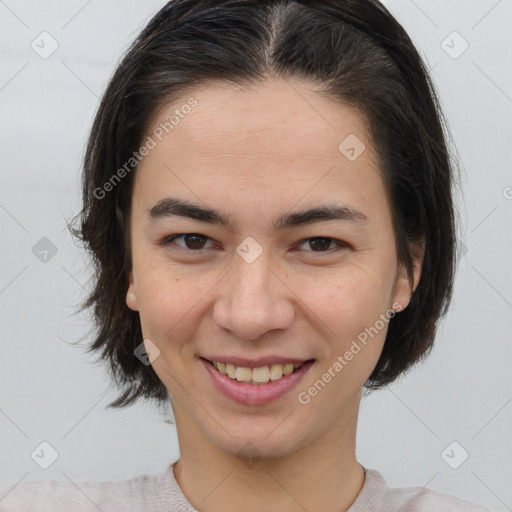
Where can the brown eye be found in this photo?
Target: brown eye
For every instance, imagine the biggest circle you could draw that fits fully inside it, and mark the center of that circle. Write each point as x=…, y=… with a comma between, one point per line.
x=323, y=244
x=192, y=241
x=320, y=244
x=195, y=241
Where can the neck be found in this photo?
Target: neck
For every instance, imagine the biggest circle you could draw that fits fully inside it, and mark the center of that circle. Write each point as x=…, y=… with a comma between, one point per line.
x=322, y=475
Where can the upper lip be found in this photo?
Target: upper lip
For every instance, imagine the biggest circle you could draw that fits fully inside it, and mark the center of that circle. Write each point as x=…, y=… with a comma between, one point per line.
x=243, y=362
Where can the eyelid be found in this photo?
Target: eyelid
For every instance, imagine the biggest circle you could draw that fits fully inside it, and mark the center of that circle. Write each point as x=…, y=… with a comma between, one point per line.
x=341, y=245
x=166, y=241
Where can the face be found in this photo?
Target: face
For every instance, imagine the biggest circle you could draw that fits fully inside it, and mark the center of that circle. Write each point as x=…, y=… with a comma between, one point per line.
x=248, y=278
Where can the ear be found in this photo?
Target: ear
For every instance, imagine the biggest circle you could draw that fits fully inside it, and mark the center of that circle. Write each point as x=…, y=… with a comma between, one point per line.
x=131, y=294
x=406, y=284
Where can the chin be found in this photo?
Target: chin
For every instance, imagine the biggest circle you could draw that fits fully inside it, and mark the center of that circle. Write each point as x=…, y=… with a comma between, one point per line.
x=260, y=443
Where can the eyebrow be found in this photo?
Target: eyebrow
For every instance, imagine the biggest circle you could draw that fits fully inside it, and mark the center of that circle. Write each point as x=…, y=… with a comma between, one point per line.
x=171, y=206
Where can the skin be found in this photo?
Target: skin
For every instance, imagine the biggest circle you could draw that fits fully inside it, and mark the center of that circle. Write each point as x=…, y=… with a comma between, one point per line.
x=256, y=153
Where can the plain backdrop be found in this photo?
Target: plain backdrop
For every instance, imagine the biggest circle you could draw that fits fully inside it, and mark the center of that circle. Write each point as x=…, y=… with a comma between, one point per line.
x=455, y=406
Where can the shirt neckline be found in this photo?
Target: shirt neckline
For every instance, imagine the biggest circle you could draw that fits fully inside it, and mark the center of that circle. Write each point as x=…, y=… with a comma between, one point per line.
x=370, y=497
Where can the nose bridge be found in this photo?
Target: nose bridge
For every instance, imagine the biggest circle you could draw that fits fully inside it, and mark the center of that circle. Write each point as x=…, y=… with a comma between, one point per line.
x=252, y=284
x=253, y=299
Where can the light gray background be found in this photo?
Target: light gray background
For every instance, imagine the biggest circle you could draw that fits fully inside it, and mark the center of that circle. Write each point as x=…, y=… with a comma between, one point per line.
x=50, y=391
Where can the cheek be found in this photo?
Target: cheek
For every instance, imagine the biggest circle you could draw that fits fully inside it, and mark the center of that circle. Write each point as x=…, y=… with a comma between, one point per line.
x=163, y=298
x=350, y=296
x=350, y=319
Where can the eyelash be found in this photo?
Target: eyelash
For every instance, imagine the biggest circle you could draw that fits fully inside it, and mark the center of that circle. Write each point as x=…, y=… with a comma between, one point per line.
x=168, y=240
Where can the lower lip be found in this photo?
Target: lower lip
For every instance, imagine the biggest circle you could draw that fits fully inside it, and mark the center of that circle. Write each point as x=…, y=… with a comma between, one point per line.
x=255, y=394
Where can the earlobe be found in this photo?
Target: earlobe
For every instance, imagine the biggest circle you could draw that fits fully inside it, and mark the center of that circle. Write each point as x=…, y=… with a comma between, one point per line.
x=131, y=294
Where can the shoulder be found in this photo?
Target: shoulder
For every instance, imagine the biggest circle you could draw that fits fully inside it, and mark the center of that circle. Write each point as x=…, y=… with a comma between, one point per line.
x=420, y=499
x=377, y=496
x=39, y=496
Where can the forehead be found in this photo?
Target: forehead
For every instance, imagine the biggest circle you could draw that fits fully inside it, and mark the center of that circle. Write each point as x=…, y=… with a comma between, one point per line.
x=279, y=139
x=276, y=118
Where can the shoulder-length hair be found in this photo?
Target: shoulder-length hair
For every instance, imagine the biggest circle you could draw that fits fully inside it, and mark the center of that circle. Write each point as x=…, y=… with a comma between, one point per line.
x=358, y=54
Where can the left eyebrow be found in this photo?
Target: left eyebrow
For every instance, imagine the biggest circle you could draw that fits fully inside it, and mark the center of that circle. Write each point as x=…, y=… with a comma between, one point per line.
x=171, y=206
x=320, y=214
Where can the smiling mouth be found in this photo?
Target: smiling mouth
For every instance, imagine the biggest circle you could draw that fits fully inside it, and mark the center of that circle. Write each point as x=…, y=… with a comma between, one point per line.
x=257, y=376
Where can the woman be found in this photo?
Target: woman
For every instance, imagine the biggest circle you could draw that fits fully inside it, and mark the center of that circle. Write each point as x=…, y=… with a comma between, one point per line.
x=268, y=201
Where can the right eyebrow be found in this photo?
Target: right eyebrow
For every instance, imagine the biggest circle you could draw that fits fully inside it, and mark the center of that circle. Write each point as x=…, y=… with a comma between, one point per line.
x=171, y=206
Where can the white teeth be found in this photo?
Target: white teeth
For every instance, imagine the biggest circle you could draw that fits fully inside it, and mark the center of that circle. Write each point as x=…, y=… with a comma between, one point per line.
x=243, y=374
x=230, y=371
x=276, y=371
x=288, y=368
x=261, y=375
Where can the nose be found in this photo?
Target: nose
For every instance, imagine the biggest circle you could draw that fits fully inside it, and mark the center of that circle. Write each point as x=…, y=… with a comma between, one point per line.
x=253, y=300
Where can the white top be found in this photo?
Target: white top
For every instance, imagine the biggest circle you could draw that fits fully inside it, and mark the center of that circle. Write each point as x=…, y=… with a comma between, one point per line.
x=161, y=493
